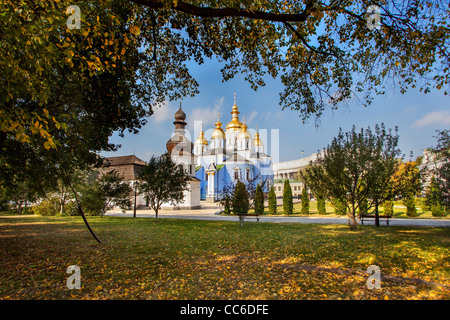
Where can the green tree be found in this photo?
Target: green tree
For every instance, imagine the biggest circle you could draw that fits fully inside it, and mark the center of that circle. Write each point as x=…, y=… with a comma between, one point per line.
x=407, y=182
x=321, y=204
x=162, y=181
x=310, y=176
x=351, y=169
x=410, y=202
x=433, y=194
x=272, y=201
x=441, y=168
x=65, y=92
x=320, y=62
x=305, y=201
x=340, y=206
x=114, y=192
x=240, y=202
x=288, y=204
x=259, y=200
x=407, y=179
x=227, y=205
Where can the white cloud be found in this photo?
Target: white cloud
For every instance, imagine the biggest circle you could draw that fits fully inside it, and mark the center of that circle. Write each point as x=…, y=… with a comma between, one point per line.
x=251, y=117
x=441, y=117
x=162, y=112
x=208, y=116
x=274, y=115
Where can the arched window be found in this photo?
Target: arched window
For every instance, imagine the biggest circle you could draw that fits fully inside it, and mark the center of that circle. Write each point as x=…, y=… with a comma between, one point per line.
x=236, y=174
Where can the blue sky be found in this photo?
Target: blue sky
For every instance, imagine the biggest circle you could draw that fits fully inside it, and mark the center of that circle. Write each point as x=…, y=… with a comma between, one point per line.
x=417, y=116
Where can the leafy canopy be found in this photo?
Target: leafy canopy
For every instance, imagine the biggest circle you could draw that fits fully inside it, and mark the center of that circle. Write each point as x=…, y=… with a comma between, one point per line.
x=162, y=181
x=323, y=51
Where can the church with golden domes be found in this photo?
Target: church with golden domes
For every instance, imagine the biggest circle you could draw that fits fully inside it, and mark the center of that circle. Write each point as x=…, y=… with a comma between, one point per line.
x=230, y=155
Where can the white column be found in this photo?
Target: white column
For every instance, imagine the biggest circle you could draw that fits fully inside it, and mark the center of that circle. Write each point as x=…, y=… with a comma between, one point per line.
x=210, y=194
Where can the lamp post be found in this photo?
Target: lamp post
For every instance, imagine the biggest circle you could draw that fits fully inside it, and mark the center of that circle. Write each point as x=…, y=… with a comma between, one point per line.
x=136, y=183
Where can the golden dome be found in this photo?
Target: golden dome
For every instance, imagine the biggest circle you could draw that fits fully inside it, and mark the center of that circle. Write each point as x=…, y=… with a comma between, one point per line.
x=257, y=141
x=234, y=124
x=201, y=139
x=218, y=131
x=244, y=134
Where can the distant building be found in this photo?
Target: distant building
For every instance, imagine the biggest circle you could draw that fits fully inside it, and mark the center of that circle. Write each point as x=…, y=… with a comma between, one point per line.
x=430, y=163
x=128, y=168
x=290, y=170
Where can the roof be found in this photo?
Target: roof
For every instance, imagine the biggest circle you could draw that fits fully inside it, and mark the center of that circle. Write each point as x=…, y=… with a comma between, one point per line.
x=235, y=157
x=123, y=160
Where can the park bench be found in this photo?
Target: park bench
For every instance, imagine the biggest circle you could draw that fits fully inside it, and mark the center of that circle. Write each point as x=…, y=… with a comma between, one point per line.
x=253, y=215
x=372, y=217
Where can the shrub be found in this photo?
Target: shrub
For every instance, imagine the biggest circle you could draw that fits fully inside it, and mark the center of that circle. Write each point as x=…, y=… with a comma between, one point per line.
x=227, y=205
x=421, y=202
x=321, y=205
x=305, y=201
x=4, y=205
x=240, y=201
x=288, y=205
x=410, y=203
x=48, y=207
x=433, y=195
x=259, y=200
x=340, y=207
x=437, y=210
x=272, y=201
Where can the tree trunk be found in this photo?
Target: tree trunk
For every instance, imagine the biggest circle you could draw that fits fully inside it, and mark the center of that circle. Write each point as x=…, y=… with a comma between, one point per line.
x=156, y=215
x=377, y=217
x=19, y=207
x=352, y=222
x=62, y=201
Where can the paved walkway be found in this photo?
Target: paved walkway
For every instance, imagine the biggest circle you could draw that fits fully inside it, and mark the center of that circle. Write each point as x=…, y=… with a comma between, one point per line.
x=208, y=213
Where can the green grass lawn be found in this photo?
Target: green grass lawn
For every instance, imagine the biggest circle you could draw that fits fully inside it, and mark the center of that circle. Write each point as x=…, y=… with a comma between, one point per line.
x=191, y=259
x=399, y=211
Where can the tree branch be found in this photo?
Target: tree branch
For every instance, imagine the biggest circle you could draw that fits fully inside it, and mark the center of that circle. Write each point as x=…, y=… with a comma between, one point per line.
x=228, y=12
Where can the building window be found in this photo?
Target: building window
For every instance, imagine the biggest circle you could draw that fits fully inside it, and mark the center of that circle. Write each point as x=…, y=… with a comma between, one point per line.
x=248, y=173
x=236, y=174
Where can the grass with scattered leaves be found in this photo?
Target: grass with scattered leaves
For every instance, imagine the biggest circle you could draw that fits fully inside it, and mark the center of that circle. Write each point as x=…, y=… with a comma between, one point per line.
x=192, y=259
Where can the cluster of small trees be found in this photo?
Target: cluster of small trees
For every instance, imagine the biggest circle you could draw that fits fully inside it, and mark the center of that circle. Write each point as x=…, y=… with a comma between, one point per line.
x=91, y=190
x=363, y=170
x=241, y=197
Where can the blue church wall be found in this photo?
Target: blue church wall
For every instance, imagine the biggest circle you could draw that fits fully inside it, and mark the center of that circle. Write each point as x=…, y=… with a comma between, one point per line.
x=200, y=174
x=225, y=175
